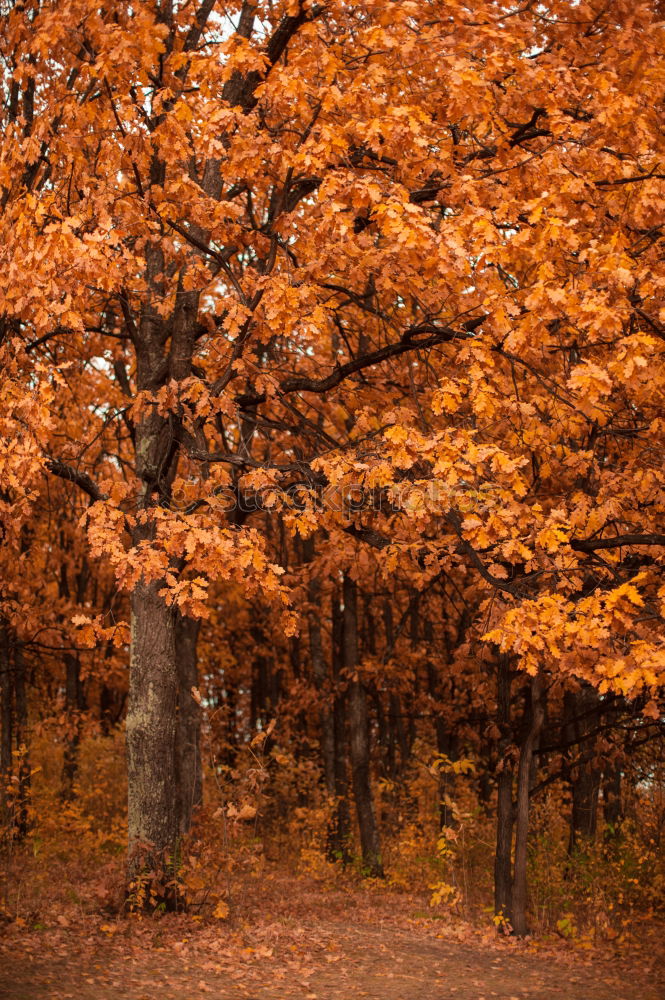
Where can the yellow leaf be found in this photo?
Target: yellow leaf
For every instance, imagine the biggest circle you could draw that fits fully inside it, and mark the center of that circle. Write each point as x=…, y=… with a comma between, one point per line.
x=629, y=591
x=397, y=434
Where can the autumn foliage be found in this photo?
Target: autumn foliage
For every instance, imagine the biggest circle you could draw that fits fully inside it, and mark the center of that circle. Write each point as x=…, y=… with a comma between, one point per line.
x=333, y=422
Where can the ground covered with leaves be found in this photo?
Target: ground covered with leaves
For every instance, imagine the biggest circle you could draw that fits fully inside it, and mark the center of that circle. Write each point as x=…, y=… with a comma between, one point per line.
x=302, y=938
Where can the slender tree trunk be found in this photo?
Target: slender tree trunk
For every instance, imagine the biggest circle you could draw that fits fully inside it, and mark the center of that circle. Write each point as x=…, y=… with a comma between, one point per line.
x=446, y=745
x=398, y=736
x=6, y=718
x=340, y=824
x=382, y=729
x=369, y=643
x=585, y=778
x=22, y=740
x=396, y=730
x=504, y=826
x=414, y=616
x=151, y=730
x=188, y=729
x=442, y=744
x=265, y=689
x=111, y=706
x=586, y=788
x=229, y=716
x=320, y=676
x=612, y=810
x=74, y=694
x=484, y=778
x=74, y=707
x=537, y=716
x=359, y=737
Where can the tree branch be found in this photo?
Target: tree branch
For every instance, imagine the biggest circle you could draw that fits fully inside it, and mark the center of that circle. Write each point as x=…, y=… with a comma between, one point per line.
x=81, y=479
x=410, y=341
x=198, y=25
x=593, y=544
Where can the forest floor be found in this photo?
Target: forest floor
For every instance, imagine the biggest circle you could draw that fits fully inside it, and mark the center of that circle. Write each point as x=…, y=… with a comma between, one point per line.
x=292, y=937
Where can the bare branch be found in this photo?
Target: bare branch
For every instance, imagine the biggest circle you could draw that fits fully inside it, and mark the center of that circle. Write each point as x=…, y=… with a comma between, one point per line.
x=81, y=479
x=593, y=544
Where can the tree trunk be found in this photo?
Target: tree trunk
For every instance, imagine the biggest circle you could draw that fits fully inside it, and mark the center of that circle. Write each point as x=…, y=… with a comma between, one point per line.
x=228, y=703
x=359, y=737
x=151, y=729
x=6, y=690
x=22, y=740
x=586, y=788
x=74, y=695
x=261, y=701
x=537, y=716
x=504, y=826
x=188, y=728
x=444, y=748
x=382, y=729
x=74, y=707
x=111, y=706
x=446, y=745
x=396, y=731
x=414, y=616
x=612, y=809
x=585, y=777
x=320, y=676
x=340, y=823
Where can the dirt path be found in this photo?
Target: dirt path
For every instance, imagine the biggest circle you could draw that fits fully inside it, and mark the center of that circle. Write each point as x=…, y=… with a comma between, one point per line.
x=291, y=940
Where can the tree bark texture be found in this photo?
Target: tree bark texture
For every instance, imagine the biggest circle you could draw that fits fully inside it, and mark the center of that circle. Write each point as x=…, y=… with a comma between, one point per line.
x=151, y=730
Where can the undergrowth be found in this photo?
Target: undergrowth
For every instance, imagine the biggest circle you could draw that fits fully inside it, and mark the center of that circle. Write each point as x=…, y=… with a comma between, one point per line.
x=269, y=809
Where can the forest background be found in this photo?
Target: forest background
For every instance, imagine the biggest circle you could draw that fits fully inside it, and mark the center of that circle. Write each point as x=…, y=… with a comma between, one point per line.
x=331, y=476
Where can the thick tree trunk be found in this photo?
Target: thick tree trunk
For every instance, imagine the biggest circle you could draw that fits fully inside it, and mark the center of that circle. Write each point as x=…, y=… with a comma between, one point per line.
x=188, y=728
x=153, y=819
x=151, y=729
x=359, y=737
x=537, y=716
x=503, y=886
